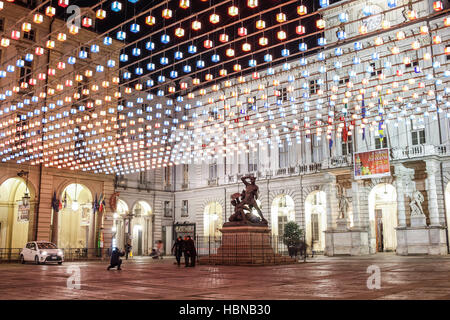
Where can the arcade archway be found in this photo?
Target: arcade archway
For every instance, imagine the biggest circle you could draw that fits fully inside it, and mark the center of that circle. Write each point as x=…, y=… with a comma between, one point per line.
x=282, y=211
x=118, y=229
x=316, y=220
x=383, y=217
x=76, y=225
x=16, y=217
x=140, y=231
x=212, y=219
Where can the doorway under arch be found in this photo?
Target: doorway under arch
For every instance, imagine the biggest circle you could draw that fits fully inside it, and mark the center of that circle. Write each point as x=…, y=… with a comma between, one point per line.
x=76, y=223
x=212, y=219
x=16, y=219
x=140, y=233
x=447, y=206
x=118, y=229
x=282, y=211
x=383, y=218
x=316, y=220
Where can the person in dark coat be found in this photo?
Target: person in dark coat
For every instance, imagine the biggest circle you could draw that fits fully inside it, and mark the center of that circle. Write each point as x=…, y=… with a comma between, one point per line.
x=178, y=248
x=127, y=250
x=115, y=259
x=191, y=252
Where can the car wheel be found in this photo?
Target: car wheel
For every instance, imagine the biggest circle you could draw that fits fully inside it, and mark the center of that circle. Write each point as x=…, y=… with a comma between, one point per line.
x=60, y=262
x=36, y=260
x=22, y=259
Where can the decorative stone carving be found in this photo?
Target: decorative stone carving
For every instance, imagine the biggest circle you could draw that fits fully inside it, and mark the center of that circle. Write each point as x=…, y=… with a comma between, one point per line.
x=417, y=216
x=432, y=168
x=403, y=184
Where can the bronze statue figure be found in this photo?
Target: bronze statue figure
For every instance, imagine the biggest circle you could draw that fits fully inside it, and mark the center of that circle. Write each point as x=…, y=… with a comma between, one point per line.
x=245, y=202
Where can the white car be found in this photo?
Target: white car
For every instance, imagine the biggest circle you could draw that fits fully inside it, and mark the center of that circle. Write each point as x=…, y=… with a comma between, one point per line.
x=41, y=252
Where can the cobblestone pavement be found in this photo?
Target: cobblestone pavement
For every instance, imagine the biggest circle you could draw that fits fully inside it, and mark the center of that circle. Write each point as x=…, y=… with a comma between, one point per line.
x=319, y=278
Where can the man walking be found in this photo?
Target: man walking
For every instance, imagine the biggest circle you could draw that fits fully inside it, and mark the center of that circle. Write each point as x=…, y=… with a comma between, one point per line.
x=177, y=249
x=191, y=252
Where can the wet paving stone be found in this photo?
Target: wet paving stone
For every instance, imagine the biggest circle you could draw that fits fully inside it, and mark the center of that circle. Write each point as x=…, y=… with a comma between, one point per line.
x=319, y=278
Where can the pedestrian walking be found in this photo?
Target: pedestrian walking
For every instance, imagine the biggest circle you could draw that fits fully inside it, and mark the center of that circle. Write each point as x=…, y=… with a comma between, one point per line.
x=192, y=253
x=177, y=249
x=115, y=259
x=127, y=250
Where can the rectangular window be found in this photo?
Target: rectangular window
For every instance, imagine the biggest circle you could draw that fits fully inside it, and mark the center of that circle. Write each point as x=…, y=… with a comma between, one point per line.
x=316, y=148
x=213, y=171
x=185, y=174
x=347, y=147
x=315, y=227
x=2, y=24
x=314, y=86
x=167, y=176
x=85, y=48
x=251, y=104
x=345, y=80
x=375, y=71
x=284, y=94
x=381, y=143
x=184, y=208
x=414, y=63
x=283, y=154
x=143, y=177
x=282, y=220
x=253, y=159
x=167, y=209
x=418, y=137
x=26, y=72
x=30, y=35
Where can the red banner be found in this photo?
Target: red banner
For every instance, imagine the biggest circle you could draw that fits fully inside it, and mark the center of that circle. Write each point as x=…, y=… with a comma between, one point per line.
x=371, y=164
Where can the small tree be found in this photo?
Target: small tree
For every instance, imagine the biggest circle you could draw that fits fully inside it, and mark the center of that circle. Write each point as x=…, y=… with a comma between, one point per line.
x=293, y=235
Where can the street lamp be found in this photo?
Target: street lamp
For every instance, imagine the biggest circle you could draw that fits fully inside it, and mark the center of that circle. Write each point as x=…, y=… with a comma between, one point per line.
x=75, y=204
x=26, y=196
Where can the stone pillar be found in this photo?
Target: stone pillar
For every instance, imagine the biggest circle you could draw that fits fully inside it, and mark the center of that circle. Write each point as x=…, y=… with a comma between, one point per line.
x=432, y=167
x=55, y=224
x=331, y=193
x=356, y=207
x=402, y=183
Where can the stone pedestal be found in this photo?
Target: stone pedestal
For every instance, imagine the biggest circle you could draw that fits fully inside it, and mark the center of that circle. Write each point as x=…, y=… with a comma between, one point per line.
x=421, y=240
x=342, y=224
x=418, y=221
x=246, y=245
x=344, y=241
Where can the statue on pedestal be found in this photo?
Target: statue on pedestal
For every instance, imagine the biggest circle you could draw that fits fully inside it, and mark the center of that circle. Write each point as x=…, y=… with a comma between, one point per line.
x=244, y=203
x=343, y=203
x=416, y=203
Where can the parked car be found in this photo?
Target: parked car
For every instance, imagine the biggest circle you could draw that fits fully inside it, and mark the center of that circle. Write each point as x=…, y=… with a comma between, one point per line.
x=41, y=252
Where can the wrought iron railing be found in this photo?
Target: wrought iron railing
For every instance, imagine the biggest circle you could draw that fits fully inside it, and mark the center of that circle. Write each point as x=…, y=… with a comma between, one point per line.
x=247, y=249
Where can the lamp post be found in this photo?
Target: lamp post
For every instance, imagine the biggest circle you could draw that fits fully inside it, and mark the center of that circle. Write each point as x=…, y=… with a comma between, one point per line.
x=26, y=196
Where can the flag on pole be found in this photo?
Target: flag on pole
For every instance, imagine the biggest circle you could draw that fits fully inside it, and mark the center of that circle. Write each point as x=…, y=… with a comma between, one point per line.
x=101, y=203
x=380, y=123
x=55, y=203
x=363, y=116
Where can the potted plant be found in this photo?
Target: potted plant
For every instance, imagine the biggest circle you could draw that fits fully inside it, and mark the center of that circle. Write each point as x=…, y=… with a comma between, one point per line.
x=292, y=237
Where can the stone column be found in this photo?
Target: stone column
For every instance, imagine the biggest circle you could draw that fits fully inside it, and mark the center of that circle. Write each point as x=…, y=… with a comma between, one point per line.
x=55, y=224
x=331, y=193
x=402, y=183
x=356, y=207
x=432, y=167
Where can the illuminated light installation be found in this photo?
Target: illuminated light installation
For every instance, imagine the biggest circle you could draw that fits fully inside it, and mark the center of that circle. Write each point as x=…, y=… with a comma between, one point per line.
x=144, y=152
